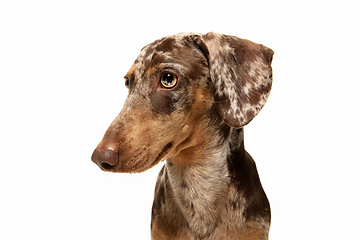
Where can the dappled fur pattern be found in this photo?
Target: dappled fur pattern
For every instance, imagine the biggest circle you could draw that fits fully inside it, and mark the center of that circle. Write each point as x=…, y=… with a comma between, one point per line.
x=209, y=187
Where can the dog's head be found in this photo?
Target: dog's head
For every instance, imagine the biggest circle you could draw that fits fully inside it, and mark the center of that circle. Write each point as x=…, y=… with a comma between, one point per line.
x=182, y=91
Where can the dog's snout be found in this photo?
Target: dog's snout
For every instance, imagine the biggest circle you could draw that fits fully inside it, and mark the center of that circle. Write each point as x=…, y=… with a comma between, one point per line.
x=105, y=159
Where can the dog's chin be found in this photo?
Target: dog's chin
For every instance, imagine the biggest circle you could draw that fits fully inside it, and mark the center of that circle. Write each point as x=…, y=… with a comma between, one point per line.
x=140, y=165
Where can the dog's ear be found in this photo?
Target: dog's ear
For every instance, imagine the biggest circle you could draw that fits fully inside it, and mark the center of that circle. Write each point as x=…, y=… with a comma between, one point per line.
x=241, y=74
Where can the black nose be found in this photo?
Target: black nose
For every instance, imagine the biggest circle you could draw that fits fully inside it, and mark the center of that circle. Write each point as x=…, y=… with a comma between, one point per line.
x=105, y=159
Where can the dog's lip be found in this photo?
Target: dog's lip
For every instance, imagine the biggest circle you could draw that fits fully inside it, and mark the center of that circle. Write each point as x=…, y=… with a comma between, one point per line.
x=161, y=157
x=163, y=152
x=140, y=166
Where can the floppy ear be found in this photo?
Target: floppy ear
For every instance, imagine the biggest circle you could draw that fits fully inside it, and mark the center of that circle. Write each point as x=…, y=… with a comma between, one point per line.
x=241, y=74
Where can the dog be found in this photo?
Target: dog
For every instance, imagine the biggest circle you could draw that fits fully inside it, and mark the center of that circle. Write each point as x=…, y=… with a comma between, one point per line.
x=190, y=95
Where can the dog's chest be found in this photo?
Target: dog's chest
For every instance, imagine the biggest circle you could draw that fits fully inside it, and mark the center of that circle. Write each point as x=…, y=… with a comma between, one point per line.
x=200, y=193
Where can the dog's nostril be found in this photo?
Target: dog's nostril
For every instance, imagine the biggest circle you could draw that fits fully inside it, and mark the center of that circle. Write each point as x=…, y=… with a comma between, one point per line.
x=106, y=166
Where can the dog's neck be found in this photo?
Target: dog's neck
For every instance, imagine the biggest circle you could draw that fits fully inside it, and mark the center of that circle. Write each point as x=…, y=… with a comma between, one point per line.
x=201, y=187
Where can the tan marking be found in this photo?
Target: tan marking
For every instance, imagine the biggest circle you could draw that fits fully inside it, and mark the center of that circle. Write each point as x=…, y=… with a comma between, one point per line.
x=191, y=148
x=132, y=70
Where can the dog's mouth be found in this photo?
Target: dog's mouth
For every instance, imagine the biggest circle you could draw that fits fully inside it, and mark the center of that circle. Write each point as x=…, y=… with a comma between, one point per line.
x=142, y=166
x=163, y=152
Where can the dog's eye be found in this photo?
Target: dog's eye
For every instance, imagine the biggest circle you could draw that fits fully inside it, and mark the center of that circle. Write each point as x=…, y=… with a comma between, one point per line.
x=168, y=80
x=127, y=83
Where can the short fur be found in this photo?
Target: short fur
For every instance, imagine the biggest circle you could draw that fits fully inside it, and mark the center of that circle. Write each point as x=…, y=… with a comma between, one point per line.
x=209, y=187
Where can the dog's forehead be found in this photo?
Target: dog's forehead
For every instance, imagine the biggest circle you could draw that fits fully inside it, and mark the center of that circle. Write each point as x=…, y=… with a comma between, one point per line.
x=167, y=49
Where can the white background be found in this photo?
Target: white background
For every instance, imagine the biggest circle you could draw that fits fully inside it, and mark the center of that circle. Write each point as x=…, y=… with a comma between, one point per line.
x=61, y=69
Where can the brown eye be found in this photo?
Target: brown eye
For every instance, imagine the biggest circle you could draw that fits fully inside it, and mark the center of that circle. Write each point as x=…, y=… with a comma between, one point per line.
x=127, y=83
x=168, y=80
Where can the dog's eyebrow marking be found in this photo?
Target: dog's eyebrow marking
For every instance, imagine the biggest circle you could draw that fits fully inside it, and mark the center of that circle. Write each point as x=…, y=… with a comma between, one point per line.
x=209, y=187
x=176, y=66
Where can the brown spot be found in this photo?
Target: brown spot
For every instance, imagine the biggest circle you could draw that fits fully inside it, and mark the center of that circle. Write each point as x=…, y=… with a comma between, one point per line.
x=166, y=45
